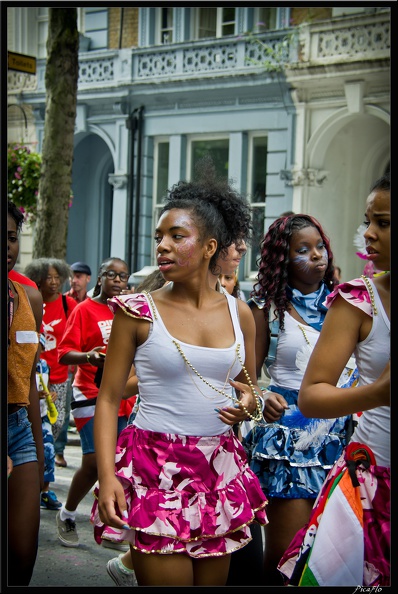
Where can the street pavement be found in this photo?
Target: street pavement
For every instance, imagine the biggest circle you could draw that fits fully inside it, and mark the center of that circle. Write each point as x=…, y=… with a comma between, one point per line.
x=58, y=566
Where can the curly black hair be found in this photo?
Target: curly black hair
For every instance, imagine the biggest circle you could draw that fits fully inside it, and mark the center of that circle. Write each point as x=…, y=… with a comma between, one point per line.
x=219, y=210
x=382, y=184
x=16, y=214
x=272, y=277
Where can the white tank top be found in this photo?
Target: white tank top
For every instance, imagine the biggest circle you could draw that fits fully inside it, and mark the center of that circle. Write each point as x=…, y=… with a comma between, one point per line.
x=291, y=347
x=372, y=355
x=173, y=399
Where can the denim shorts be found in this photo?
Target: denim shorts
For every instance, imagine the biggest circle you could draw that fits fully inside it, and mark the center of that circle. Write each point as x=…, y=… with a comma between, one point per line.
x=86, y=434
x=21, y=445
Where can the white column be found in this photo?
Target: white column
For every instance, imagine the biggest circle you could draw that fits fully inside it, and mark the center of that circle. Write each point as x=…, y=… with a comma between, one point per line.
x=118, y=237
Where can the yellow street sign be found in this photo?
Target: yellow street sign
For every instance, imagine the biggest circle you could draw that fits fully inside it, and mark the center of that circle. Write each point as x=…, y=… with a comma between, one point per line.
x=22, y=63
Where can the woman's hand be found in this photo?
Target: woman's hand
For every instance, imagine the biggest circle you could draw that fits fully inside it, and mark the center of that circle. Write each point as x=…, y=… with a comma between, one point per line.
x=274, y=406
x=112, y=503
x=237, y=412
x=96, y=356
x=10, y=466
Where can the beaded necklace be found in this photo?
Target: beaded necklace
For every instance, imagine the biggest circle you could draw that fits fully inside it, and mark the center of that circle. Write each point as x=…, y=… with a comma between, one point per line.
x=305, y=335
x=259, y=414
x=371, y=294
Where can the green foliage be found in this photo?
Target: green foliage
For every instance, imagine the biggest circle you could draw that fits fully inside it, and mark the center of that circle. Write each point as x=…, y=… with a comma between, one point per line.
x=272, y=56
x=24, y=170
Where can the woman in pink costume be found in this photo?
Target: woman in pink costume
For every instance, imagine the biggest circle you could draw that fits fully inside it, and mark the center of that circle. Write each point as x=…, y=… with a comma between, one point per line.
x=183, y=493
x=347, y=539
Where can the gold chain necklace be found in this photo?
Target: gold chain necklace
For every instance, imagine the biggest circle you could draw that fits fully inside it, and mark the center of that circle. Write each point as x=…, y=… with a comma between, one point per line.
x=190, y=366
x=371, y=293
x=259, y=415
x=305, y=335
x=149, y=296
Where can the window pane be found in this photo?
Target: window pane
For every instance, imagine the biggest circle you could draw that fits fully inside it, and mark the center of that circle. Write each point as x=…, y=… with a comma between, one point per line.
x=266, y=18
x=258, y=235
x=207, y=22
x=166, y=29
x=163, y=170
x=218, y=151
x=228, y=29
x=228, y=14
x=258, y=193
x=228, y=21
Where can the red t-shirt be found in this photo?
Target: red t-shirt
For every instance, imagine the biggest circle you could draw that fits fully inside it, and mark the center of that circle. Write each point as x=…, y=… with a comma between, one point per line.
x=54, y=322
x=88, y=326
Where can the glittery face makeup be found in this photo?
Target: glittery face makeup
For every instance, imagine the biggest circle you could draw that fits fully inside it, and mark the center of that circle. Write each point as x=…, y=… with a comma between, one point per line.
x=176, y=233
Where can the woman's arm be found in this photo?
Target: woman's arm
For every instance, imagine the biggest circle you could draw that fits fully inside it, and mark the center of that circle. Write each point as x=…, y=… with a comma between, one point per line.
x=131, y=388
x=84, y=358
x=274, y=403
x=262, y=337
x=319, y=397
x=36, y=302
x=119, y=359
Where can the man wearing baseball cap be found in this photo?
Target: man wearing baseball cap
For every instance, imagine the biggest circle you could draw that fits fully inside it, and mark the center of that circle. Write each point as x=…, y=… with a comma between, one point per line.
x=79, y=279
x=81, y=276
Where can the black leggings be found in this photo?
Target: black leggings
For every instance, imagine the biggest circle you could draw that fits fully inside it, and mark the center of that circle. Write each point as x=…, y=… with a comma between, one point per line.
x=247, y=564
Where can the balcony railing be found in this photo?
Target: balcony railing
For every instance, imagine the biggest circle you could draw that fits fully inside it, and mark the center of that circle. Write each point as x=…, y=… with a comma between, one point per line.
x=345, y=40
x=363, y=37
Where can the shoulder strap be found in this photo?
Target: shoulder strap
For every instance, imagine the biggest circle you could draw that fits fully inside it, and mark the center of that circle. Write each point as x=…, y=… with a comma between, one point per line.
x=65, y=304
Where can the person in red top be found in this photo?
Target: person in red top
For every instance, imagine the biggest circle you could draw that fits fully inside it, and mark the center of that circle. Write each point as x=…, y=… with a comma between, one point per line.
x=21, y=278
x=79, y=279
x=84, y=344
x=50, y=274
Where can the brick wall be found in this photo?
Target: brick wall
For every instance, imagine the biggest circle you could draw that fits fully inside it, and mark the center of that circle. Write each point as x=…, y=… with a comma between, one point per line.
x=129, y=27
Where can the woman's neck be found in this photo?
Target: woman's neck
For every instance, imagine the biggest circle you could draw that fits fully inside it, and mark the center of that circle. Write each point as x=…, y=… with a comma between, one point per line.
x=50, y=298
x=101, y=298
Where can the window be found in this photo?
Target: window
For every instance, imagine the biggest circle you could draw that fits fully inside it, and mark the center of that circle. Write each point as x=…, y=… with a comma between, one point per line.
x=257, y=190
x=161, y=175
x=264, y=18
x=162, y=170
x=42, y=25
x=215, y=22
x=164, y=26
x=218, y=149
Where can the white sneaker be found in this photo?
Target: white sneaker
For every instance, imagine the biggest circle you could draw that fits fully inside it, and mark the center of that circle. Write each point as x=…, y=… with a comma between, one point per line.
x=120, y=577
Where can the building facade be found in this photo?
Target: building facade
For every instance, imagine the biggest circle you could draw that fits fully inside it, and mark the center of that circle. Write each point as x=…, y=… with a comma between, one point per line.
x=293, y=103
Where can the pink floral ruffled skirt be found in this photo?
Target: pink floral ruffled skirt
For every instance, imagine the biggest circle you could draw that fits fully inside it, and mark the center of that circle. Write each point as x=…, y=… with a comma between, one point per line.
x=184, y=494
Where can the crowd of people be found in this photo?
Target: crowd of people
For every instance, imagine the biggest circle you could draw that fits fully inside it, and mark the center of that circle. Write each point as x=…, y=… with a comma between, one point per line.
x=199, y=476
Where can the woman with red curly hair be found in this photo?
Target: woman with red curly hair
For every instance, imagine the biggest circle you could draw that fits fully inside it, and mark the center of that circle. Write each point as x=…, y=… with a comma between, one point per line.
x=290, y=453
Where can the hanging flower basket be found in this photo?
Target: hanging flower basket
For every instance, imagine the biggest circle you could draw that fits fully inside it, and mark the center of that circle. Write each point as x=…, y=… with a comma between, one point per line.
x=24, y=170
